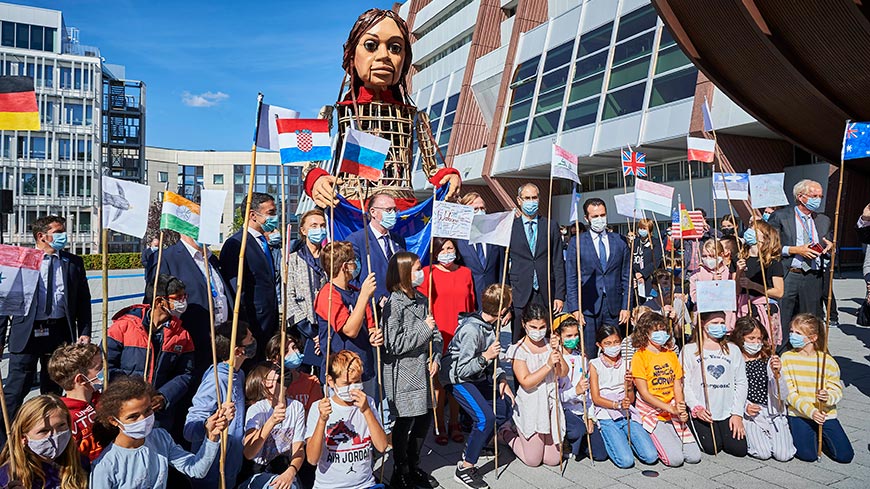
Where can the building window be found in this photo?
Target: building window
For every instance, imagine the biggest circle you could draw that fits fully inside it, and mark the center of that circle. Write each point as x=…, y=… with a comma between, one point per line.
x=523, y=89
x=8, y=34
x=442, y=17
x=190, y=181
x=636, y=22
x=595, y=40
x=544, y=125
x=629, y=72
x=83, y=186
x=162, y=176
x=462, y=41
x=29, y=183
x=36, y=37
x=22, y=35
x=85, y=222
x=673, y=87
x=218, y=179
x=582, y=114
x=624, y=101
x=160, y=196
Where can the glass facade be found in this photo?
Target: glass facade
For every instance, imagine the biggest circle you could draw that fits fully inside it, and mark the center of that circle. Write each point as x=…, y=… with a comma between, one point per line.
x=26, y=36
x=671, y=171
x=268, y=178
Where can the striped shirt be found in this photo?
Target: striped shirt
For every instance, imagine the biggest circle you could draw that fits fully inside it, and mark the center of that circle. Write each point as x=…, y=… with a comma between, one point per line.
x=801, y=375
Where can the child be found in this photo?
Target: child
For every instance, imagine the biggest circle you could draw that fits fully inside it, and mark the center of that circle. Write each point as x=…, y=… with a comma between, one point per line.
x=78, y=369
x=409, y=333
x=39, y=448
x=808, y=406
x=573, y=388
x=658, y=378
x=608, y=376
x=712, y=268
x=538, y=365
x=718, y=409
x=170, y=361
x=274, y=431
x=762, y=249
x=205, y=402
x=341, y=432
x=466, y=372
x=299, y=385
x=764, y=419
x=668, y=301
x=140, y=454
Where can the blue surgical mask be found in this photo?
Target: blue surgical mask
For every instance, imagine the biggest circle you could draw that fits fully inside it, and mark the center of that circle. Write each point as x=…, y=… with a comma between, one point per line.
x=717, y=330
x=316, y=235
x=653, y=293
x=270, y=224
x=797, y=340
x=766, y=216
x=446, y=258
x=643, y=233
x=530, y=207
x=293, y=360
x=752, y=348
x=388, y=219
x=660, y=337
x=814, y=203
x=275, y=239
x=97, y=382
x=356, y=268
x=749, y=237
x=58, y=241
x=479, y=212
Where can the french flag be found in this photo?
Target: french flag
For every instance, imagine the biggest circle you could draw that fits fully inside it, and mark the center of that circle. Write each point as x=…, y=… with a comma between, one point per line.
x=364, y=154
x=701, y=149
x=303, y=140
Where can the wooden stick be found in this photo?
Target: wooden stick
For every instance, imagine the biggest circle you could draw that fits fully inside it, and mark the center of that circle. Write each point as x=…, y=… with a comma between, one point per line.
x=558, y=427
x=831, y=275
x=285, y=240
x=496, y=361
x=6, y=424
x=104, y=331
x=329, y=326
x=148, y=354
x=431, y=341
x=699, y=332
x=582, y=321
x=214, y=362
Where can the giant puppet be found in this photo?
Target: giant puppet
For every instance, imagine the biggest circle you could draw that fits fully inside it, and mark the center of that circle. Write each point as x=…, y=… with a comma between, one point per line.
x=377, y=57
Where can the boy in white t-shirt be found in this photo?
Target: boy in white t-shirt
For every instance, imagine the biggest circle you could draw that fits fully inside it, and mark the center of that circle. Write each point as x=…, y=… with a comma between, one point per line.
x=343, y=429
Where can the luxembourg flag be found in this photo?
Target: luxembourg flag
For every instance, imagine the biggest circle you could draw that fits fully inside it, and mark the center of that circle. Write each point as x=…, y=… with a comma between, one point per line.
x=364, y=154
x=303, y=140
x=701, y=149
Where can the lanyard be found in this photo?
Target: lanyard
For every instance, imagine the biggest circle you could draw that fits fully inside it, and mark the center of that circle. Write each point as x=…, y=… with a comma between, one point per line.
x=807, y=230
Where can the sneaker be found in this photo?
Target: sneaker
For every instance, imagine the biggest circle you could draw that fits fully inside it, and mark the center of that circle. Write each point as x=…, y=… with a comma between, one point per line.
x=421, y=480
x=402, y=481
x=469, y=477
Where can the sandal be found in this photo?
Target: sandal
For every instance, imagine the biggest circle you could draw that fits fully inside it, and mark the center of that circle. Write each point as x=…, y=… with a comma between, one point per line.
x=456, y=433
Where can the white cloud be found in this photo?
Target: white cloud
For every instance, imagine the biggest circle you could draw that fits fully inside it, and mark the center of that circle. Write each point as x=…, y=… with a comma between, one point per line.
x=206, y=99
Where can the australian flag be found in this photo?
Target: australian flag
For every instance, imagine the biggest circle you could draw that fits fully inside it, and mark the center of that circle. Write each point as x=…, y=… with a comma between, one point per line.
x=412, y=223
x=857, y=141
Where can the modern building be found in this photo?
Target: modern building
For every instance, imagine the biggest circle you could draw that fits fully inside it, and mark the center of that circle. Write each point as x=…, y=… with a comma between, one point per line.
x=54, y=170
x=187, y=172
x=503, y=80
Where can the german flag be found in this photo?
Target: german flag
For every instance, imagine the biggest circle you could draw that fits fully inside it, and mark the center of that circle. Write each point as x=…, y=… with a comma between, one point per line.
x=18, y=109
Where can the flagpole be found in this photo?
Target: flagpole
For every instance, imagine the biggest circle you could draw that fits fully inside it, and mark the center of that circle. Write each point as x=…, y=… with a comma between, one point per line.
x=329, y=325
x=582, y=321
x=631, y=280
x=497, y=359
x=432, y=340
x=831, y=274
x=6, y=424
x=285, y=240
x=214, y=361
x=145, y=369
x=104, y=330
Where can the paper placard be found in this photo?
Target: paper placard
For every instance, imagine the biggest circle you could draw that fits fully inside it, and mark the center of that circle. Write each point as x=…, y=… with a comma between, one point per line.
x=564, y=164
x=212, y=205
x=738, y=186
x=766, y=190
x=625, y=206
x=451, y=220
x=716, y=295
x=492, y=228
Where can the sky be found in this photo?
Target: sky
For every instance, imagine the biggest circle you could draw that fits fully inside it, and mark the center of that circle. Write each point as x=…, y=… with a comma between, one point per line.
x=203, y=62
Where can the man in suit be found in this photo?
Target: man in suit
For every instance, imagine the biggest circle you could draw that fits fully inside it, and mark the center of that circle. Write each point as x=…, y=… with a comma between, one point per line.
x=184, y=261
x=149, y=251
x=485, y=261
x=383, y=243
x=604, y=275
x=804, y=234
x=259, y=297
x=59, y=313
x=530, y=270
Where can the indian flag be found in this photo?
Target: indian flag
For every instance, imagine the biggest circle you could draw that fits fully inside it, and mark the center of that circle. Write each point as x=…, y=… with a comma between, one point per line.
x=180, y=214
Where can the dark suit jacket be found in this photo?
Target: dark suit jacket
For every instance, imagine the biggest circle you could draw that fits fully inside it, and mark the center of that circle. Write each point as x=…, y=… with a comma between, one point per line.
x=613, y=279
x=483, y=274
x=176, y=261
x=379, y=260
x=259, y=298
x=864, y=234
x=783, y=220
x=78, y=307
x=524, y=263
x=147, y=253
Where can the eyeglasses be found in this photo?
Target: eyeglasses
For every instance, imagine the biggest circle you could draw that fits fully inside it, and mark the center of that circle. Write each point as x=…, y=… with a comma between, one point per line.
x=386, y=209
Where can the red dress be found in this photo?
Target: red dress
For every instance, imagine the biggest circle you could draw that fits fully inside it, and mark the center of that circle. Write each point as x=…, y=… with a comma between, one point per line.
x=452, y=294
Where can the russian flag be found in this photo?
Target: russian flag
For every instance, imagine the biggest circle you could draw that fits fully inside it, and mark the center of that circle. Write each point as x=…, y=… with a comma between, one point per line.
x=364, y=154
x=303, y=140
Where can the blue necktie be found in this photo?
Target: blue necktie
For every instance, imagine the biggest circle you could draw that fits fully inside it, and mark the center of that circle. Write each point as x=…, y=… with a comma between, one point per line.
x=532, y=235
x=480, y=254
x=388, y=248
x=602, y=252
x=265, y=245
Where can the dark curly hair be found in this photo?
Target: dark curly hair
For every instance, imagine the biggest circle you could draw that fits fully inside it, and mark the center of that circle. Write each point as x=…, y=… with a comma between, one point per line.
x=363, y=23
x=120, y=390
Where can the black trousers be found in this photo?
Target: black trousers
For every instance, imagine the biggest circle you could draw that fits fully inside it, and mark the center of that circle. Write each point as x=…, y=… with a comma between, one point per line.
x=22, y=365
x=408, y=435
x=517, y=324
x=803, y=292
x=703, y=432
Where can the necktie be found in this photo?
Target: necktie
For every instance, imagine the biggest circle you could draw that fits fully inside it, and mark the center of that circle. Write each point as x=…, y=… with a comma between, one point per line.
x=808, y=239
x=532, y=235
x=49, y=287
x=481, y=255
x=602, y=252
x=388, y=249
x=265, y=245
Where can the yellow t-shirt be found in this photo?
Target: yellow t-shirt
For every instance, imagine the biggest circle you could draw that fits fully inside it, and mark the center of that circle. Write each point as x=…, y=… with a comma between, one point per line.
x=660, y=370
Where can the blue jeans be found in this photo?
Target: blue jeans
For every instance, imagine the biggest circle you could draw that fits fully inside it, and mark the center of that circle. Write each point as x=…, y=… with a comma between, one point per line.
x=575, y=433
x=476, y=400
x=615, y=434
x=262, y=481
x=835, y=443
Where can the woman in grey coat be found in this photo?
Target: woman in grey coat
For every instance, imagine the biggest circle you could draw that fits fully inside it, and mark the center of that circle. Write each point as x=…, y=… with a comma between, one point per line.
x=410, y=335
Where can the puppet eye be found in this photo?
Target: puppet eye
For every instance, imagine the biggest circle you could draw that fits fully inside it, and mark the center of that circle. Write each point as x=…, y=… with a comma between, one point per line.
x=395, y=48
x=371, y=45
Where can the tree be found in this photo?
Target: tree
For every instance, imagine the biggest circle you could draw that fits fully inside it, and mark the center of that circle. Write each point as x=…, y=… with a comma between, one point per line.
x=154, y=211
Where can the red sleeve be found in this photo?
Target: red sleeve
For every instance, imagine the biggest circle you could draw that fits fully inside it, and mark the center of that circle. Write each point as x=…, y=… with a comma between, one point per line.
x=435, y=179
x=312, y=177
x=340, y=313
x=471, y=303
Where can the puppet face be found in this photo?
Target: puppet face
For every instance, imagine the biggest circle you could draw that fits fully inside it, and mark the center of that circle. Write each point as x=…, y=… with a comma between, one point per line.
x=380, y=55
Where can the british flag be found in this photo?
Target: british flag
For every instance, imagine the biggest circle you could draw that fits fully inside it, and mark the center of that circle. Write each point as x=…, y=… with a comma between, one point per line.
x=633, y=163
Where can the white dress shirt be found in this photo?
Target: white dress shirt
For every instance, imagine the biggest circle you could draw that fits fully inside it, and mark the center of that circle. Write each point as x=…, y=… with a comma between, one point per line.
x=58, y=307
x=221, y=303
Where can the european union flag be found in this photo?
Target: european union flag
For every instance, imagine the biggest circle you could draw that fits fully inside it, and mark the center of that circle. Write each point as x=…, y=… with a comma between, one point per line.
x=412, y=224
x=857, y=143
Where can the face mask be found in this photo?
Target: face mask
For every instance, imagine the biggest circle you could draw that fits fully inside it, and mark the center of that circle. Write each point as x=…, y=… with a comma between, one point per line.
x=343, y=393
x=766, y=216
x=728, y=231
x=643, y=233
x=270, y=224
x=293, y=360
x=446, y=258
x=752, y=348
x=316, y=235
x=612, y=351
x=51, y=446
x=388, y=219
x=571, y=344
x=479, y=212
x=251, y=350
x=536, y=334
x=178, y=307
x=597, y=224
x=814, y=203
x=564, y=232
x=275, y=239
x=750, y=237
x=530, y=207
x=153, y=248
x=97, y=382
x=660, y=337
x=717, y=330
x=711, y=263
x=58, y=241
x=417, y=278
x=797, y=340
x=138, y=430
x=356, y=268
x=653, y=293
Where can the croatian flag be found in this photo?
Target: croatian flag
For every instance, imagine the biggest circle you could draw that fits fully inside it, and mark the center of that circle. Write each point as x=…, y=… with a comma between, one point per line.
x=303, y=140
x=364, y=154
x=701, y=149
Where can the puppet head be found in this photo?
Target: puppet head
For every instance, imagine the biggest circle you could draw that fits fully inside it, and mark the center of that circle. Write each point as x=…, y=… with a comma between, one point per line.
x=377, y=53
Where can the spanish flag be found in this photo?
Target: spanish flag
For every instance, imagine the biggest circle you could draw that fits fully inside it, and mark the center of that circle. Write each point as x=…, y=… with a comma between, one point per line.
x=18, y=110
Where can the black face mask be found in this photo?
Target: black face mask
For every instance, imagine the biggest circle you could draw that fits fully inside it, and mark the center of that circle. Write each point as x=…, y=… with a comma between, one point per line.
x=728, y=231
x=251, y=350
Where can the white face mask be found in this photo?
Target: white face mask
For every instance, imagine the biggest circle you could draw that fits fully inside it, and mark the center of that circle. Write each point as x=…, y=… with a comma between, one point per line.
x=752, y=348
x=178, y=307
x=417, y=278
x=138, y=430
x=446, y=258
x=612, y=351
x=50, y=446
x=536, y=334
x=343, y=393
x=598, y=224
x=711, y=263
